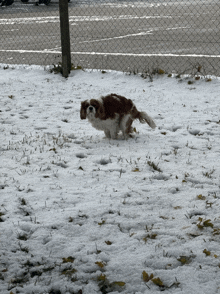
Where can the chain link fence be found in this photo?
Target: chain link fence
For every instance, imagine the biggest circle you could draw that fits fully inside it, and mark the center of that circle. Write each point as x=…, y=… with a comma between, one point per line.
x=181, y=36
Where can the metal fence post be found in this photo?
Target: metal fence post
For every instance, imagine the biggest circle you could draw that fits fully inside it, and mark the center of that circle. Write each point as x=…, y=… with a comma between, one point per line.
x=65, y=37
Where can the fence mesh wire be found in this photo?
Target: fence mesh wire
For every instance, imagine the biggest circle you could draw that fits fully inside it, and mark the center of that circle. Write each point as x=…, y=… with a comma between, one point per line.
x=137, y=36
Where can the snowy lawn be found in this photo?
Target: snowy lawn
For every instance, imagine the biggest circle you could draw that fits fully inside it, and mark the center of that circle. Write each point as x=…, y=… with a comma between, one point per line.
x=84, y=214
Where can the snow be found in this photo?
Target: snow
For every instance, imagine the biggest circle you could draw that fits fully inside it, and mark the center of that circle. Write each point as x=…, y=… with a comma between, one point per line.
x=84, y=214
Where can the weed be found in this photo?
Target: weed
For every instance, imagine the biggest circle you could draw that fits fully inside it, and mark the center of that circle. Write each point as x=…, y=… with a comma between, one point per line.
x=36, y=273
x=101, y=264
x=23, y=201
x=207, y=253
x=154, y=166
x=22, y=237
x=136, y=169
x=58, y=69
x=185, y=259
x=106, y=287
x=108, y=242
x=147, y=277
x=158, y=282
x=68, y=259
x=102, y=223
x=209, y=174
x=150, y=236
x=69, y=272
x=200, y=197
x=204, y=223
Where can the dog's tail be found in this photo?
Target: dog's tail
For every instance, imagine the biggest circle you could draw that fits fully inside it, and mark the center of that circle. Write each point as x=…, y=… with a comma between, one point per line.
x=143, y=117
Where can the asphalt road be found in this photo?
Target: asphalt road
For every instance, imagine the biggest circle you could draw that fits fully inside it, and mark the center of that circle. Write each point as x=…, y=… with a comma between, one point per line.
x=135, y=36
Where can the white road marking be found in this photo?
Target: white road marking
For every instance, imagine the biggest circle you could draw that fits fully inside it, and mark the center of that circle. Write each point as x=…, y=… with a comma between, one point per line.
x=114, y=54
x=52, y=19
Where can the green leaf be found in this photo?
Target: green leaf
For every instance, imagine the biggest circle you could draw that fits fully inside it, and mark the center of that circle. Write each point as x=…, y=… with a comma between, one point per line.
x=207, y=223
x=207, y=253
x=158, y=282
x=100, y=264
x=146, y=277
x=102, y=277
x=200, y=197
x=184, y=259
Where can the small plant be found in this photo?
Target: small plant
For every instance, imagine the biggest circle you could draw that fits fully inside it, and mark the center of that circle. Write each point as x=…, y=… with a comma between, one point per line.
x=22, y=237
x=68, y=259
x=185, y=259
x=154, y=166
x=207, y=253
x=23, y=201
x=106, y=287
x=101, y=264
x=150, y=236
x=158, y=282
x=102, y=223
x=146, y=277
x=201, y=197
x=57, y=68
x=71, y=219
x=108, y=242
x=204, y=223
x=69, y=272
x=160, y=71
x=209, y=174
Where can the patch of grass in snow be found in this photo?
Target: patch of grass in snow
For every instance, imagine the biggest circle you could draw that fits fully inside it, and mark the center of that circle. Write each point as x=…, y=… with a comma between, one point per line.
x=68, y=259
x=58, y=68
x=157, y=281
x=154, y=166
x=149, y=236
x=106, y=286
x=204, y=223
x=185, y=259
x=209, y=174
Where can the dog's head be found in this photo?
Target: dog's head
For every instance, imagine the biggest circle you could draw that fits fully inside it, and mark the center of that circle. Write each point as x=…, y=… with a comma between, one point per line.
x=91, y=109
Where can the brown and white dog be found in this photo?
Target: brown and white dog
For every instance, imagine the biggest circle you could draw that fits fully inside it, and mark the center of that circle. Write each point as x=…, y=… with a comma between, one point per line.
x=113, y=113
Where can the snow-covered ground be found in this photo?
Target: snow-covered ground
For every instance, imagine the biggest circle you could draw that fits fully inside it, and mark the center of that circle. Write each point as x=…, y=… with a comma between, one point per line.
x=84, y=214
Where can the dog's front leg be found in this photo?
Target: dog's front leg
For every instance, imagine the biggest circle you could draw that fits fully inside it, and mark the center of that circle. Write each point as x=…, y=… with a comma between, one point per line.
x=114, y=134
x=107, y=134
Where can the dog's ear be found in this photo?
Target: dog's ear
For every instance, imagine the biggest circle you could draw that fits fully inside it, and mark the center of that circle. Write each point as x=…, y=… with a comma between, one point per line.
x=84, y=106
x=100, y=113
